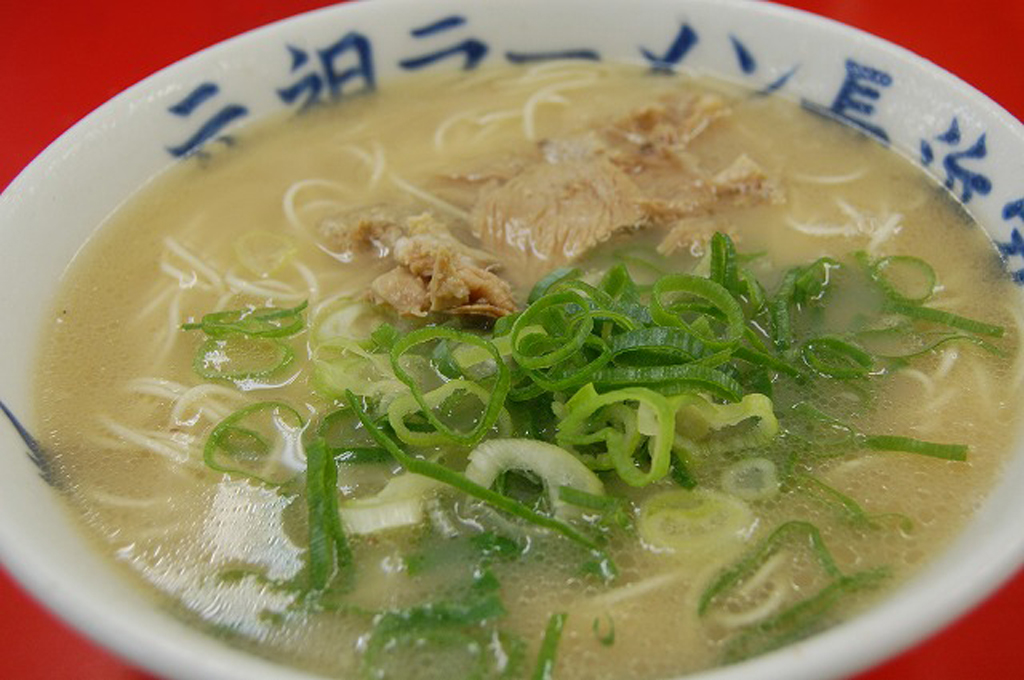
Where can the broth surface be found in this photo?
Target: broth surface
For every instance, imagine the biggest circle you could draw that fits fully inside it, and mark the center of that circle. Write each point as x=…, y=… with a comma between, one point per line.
x=127, y=417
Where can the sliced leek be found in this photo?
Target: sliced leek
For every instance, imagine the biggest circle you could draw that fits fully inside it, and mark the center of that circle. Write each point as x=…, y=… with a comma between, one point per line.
x=555, y=467
x=696, y=521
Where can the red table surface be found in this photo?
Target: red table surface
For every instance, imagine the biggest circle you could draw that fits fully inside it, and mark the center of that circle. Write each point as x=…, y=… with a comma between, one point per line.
x=59, y=61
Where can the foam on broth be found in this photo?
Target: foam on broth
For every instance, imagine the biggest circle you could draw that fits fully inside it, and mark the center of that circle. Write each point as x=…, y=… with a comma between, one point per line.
x=125, y=416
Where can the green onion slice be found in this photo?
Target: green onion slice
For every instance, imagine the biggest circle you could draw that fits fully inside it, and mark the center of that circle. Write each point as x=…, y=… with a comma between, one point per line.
x=451, y=394
x=694, y=521
x=950, y=319
x=545, y=669
x=957, y=452
x=241, y=358
x=723, y=262
x=700, y=306
x=329, y=556
x=708, y=429
x=802, y=533
x=654, y=418
x=901, y=342
x=687, y=377
x=657, y=345
x=800, y=620
x=836, y=358
x=617, y=283
x=904, y=278
x=497, y=391
x=570, y=375
x=257, y=322
x=571, y=313
x=557, y=469
x=556, y=276
x=261, y=441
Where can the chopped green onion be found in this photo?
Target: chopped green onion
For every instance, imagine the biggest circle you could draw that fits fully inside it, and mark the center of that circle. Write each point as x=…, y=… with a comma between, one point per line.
x=694, y=522
x=330, y=557
x=453, y=391
x=618, y=284
x=497, y=392
x=813, y=280
x=584, y=499
x=950, y=319
x=655, y=345
x=606, y=639
x=751, y=479
x=241, y=358
x=545, y=668
x=461, y=483
x=575, y=325
x=569, y=375
x=398, y=504
x=344, y=364
x=756, y=295
x=360, y=455
x=768, y=361
x=904, y=343
x=806, y=532
x=257, y=322
x=801, y=619
x=707, y=429
x=688, y=377
x=723, y=262
x=800, y=286
x=849, y=507
x=557, y=469
x=256, y=441
x=454, y=624
x=956, y=452
x=677, y=298
x=621, y=447
x=384, y=337
x=904, y=278
x=836, y=358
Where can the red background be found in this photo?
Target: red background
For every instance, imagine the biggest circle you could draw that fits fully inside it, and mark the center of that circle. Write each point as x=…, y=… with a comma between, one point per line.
x=59, y=61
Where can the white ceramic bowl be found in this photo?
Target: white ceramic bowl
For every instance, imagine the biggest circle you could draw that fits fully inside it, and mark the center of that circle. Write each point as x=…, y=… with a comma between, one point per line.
x=54, y=205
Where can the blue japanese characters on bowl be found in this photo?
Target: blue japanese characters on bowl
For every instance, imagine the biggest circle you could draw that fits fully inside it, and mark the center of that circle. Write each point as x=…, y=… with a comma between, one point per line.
x=870, y=91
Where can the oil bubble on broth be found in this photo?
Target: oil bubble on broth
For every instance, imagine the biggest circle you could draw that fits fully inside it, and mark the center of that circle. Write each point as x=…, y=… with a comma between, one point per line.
x=568, y=365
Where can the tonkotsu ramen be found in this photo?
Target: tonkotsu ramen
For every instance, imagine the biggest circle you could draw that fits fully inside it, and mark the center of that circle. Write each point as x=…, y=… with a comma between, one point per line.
x=568, y=371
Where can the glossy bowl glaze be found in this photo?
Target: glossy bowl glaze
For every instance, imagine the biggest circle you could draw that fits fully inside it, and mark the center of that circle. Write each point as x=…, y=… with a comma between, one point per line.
x=192, y=109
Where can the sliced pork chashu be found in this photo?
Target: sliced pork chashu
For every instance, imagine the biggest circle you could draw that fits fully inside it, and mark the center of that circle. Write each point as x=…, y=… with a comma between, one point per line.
x=552, y=213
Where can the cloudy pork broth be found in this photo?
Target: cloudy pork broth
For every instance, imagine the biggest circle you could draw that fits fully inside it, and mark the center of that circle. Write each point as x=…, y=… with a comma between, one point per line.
x=632, y=374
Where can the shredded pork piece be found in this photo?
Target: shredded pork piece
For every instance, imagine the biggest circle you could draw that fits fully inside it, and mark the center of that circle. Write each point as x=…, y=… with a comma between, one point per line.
x=668, y=126
x=441, y=280
x=425, y=234
x=401, y=290
x=744, y=183
x=358, y=230
x=461, y=288
x=435, y=272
